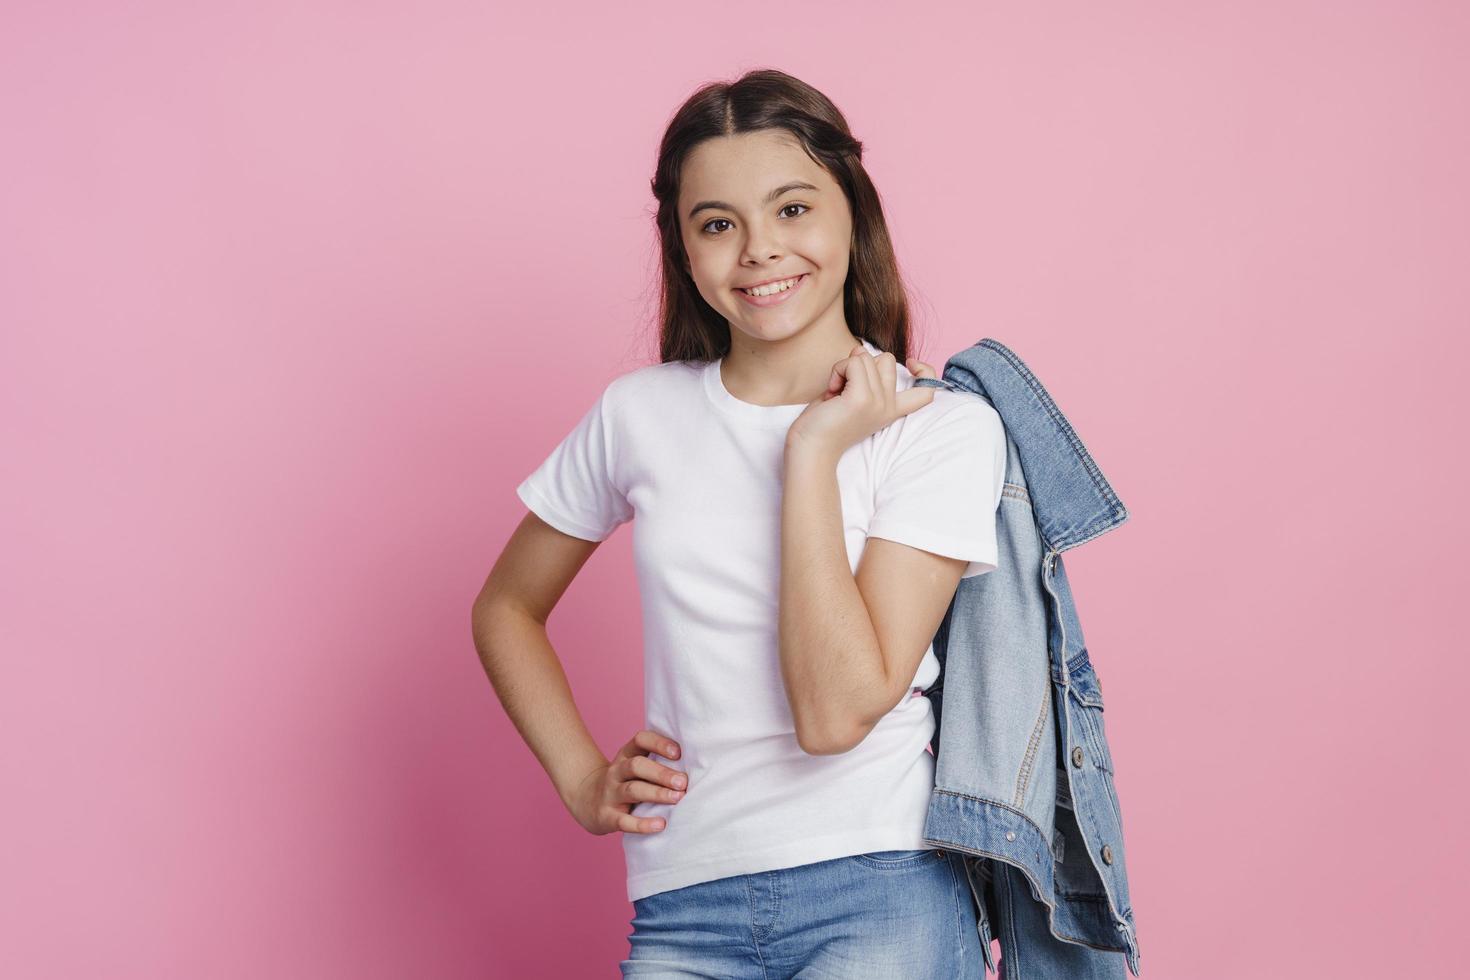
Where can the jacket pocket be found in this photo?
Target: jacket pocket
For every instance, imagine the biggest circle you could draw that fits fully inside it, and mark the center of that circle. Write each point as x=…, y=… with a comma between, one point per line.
x=1089, y=845
x=1087, y=704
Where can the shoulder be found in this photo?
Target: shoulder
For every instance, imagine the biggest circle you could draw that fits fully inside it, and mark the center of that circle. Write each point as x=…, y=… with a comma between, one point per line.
x=954, y=417
x=654, y=387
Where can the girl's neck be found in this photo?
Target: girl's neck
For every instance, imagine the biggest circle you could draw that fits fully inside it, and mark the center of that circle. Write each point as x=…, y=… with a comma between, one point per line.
x=786, y=372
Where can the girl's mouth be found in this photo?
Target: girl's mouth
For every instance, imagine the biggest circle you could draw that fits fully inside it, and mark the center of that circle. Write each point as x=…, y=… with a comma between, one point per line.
x=775, y=299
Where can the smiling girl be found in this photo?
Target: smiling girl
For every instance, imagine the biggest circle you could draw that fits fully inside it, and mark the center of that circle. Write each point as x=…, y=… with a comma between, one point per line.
x=804, y=515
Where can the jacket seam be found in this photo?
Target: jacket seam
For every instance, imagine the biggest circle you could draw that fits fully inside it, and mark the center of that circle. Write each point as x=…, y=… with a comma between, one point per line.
x=1089, y=465
x=1000, y=803
x=1028, y=763
x=1051, y=907
x=1055, y=412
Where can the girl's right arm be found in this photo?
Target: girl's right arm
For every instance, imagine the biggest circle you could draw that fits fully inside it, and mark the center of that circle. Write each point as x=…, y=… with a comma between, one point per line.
x=508, y=622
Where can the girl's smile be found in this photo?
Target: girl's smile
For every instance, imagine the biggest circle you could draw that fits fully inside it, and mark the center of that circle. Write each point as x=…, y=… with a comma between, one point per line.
x=776, y=298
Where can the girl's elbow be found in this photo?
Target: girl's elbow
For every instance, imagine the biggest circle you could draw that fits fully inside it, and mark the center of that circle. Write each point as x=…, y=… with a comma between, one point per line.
x=829, y=739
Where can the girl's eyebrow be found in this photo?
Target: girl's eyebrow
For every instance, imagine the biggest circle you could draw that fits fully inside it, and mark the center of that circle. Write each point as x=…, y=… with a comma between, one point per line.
x=795, y=185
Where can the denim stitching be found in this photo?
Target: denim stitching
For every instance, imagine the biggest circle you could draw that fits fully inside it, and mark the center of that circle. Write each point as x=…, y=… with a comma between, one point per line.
x=1029, y=761
x=1051, y=906
x=755, y=942
x=1009, y=951
x=1014, y=490
x=981, y=799
x=1117, y=512
x=918, y=855
x=1090, y=465
x=959, y=910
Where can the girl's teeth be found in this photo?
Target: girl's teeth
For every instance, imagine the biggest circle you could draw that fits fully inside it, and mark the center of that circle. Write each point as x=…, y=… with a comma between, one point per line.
x=775, y=287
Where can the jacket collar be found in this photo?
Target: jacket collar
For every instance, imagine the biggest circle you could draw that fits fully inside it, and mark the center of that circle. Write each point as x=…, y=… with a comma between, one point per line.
x=1071, y=498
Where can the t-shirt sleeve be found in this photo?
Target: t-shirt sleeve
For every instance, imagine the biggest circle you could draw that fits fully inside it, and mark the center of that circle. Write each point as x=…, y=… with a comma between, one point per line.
x=943, y=487
x=574, y=489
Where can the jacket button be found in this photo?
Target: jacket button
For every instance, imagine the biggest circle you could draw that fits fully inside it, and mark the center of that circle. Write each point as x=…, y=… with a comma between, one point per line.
x=1077, y=756
x=1107, y=854
x=1010, y=835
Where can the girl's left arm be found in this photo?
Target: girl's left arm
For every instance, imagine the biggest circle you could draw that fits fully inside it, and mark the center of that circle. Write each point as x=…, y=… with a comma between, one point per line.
x=849, y=645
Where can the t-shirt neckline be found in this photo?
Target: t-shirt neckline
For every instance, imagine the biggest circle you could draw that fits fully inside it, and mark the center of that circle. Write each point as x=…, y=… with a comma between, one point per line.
x=749, y=412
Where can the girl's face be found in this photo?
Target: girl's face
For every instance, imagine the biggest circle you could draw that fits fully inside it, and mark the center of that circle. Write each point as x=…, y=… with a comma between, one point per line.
x=754, y=208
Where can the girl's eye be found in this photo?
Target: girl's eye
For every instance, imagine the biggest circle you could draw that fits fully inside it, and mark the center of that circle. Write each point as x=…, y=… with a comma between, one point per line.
x=783, y=211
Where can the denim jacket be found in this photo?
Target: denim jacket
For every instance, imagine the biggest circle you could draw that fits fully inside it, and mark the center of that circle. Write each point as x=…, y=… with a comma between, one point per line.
x=1023, y=774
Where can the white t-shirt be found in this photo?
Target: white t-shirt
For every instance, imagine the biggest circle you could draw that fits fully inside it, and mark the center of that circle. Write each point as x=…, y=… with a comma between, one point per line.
x=701, y=470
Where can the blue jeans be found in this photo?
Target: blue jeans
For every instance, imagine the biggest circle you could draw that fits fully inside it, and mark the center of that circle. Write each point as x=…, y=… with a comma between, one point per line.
x=886, y=915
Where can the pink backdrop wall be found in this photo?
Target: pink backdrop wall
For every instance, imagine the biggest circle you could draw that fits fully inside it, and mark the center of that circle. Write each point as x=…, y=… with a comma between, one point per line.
x=294, y=294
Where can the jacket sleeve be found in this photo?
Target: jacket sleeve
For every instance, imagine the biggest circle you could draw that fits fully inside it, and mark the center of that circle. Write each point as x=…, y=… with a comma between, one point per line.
x=574, y=489
x=942, y=488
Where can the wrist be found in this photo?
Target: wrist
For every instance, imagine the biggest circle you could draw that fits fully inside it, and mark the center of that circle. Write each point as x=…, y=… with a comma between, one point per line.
x=570, y=778
x=806, y=454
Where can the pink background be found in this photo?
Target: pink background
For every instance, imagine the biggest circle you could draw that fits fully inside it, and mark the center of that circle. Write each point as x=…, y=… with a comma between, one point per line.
x=294, y=294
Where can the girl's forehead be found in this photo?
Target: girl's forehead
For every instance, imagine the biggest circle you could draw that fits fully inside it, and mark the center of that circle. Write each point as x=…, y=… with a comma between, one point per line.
x=738, y=155
x=747, y=166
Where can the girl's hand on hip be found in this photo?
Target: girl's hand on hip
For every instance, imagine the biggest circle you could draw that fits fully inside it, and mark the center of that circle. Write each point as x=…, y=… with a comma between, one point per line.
x=604, y=800
x=860, y=399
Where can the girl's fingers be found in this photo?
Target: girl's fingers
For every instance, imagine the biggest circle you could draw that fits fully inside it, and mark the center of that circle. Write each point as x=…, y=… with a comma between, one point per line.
x=837, y=380
x=654, y=742
x=919, y=369
x=634, y=791
x=851, y=374
x=874, y=364
x=638, y=791
x=913, y=399
x=887, y=367
x=642, y=767
x=630, y=824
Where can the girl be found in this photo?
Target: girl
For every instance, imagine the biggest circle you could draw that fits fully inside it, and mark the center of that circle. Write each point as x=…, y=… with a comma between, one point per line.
x=804, y=516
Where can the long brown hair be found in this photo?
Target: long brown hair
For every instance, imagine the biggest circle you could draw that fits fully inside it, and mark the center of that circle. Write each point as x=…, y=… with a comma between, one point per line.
x=873, y=297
